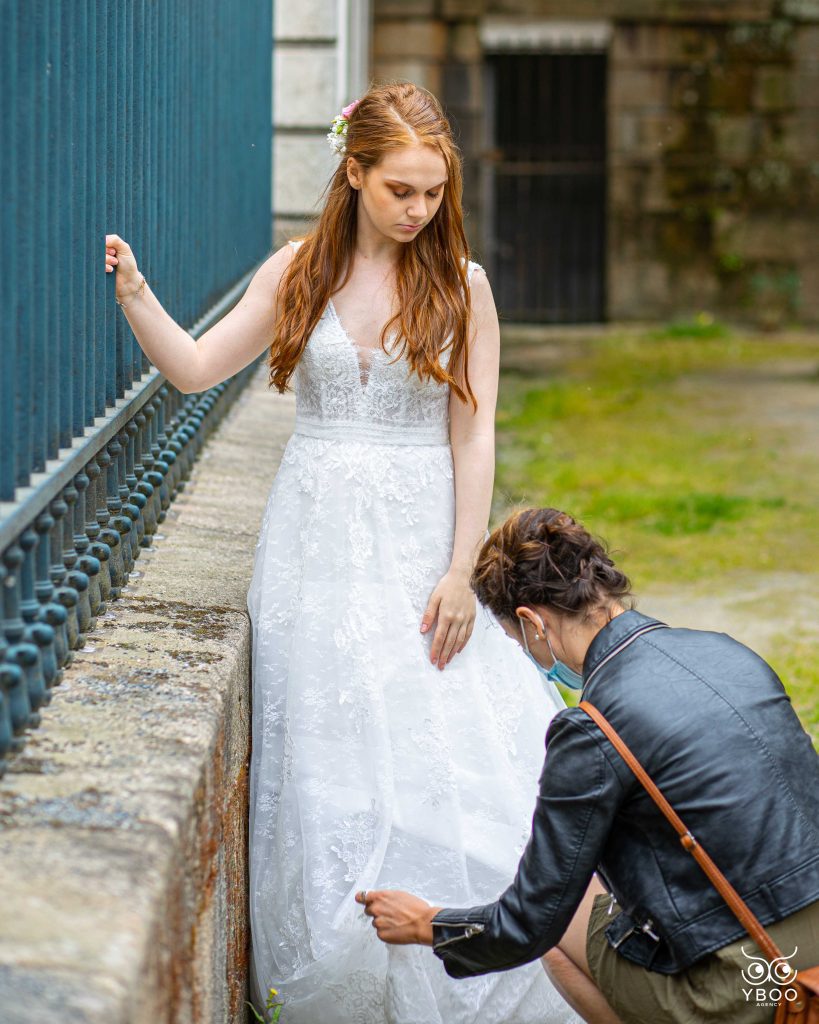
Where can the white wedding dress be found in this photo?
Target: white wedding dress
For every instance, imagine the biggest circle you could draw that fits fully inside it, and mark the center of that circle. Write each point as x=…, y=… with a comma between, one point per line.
x=370, y=767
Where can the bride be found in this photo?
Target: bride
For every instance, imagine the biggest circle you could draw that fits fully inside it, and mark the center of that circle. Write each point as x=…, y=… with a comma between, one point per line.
x=397, y=731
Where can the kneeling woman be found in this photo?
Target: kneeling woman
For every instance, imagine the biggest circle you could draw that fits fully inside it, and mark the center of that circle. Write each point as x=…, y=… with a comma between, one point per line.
x=713, y=727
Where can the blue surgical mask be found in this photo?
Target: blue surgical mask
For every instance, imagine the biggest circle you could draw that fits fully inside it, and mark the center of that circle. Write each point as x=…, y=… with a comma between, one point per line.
x=559, y=672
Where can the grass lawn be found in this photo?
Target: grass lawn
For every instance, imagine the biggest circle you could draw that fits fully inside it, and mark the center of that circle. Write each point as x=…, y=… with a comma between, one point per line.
x=693, y=451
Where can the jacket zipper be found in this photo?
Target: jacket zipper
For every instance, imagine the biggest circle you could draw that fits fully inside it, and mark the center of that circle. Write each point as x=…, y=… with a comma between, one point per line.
x=645, y=927
x=472, y=928
x=624, y=936
x=623, y=644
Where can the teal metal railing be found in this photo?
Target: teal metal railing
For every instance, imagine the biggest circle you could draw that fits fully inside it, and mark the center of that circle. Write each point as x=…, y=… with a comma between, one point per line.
x=150, y=119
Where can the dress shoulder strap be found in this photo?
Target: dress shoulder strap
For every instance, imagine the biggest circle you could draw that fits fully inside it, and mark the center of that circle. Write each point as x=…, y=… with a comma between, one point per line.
x=295, y=244
x=471, y=267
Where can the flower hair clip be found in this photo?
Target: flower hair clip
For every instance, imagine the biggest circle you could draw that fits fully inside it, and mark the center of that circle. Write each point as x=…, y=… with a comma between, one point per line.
x=337, y=136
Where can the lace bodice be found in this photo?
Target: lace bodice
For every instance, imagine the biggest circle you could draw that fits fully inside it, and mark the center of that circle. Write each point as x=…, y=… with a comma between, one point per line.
x=344, y=390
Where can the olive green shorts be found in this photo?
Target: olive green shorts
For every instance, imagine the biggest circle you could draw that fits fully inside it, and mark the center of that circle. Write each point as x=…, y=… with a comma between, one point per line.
x=716, y=989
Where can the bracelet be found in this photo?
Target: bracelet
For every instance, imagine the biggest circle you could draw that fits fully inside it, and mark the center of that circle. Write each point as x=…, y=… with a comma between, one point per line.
x=139, y=289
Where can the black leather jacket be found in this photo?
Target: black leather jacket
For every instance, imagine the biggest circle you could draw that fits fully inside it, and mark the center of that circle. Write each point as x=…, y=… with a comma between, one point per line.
x=713, y=726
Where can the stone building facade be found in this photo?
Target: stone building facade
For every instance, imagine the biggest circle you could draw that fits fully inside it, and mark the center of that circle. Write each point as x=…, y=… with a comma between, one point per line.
x=321, y=61
x=702, y=126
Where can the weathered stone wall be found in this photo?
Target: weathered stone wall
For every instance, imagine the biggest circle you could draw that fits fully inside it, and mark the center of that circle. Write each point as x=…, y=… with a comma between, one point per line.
x=713, y=141
x=714, y=182
x=123, y=822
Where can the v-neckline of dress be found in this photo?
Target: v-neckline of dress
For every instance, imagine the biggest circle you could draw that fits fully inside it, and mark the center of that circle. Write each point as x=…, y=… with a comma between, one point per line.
x=356, y=347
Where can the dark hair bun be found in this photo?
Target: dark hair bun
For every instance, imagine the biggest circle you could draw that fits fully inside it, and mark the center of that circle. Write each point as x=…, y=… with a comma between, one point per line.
x=544, y=556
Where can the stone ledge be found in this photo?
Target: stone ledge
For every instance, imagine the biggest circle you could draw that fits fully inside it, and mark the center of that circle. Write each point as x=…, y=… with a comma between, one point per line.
x=123, y=822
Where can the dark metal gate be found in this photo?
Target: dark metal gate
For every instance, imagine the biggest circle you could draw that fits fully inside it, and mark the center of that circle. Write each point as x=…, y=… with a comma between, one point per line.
x=546, y=231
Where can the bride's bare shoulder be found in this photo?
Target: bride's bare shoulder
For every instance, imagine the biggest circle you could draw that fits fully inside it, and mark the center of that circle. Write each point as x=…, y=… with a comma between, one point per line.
x=270, y=272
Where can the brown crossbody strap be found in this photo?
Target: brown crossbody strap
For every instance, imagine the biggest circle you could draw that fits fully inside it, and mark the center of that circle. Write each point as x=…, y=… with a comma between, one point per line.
x=723, y=886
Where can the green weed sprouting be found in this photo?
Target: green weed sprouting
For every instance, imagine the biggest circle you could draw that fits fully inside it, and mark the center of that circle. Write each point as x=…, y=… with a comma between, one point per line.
x=271, y=1004
x=702, y=325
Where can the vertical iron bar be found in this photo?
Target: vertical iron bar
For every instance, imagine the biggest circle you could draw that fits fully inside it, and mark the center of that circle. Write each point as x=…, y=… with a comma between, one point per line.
x=99, y=182
x=128, y=153
x=66, y=259
x=41, y=283
x=94, y=247
x=138, y=160
x=80, y=256
x=23, y=255
x=113, y=224
x=120, y=181
x=9, y=281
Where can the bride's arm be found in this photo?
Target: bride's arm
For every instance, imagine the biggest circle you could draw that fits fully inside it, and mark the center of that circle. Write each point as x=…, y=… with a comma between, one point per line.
x=472, y=436
x=196, y=364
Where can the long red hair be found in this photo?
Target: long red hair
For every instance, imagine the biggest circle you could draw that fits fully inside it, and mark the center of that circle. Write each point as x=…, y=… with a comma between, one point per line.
x=431, y=273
